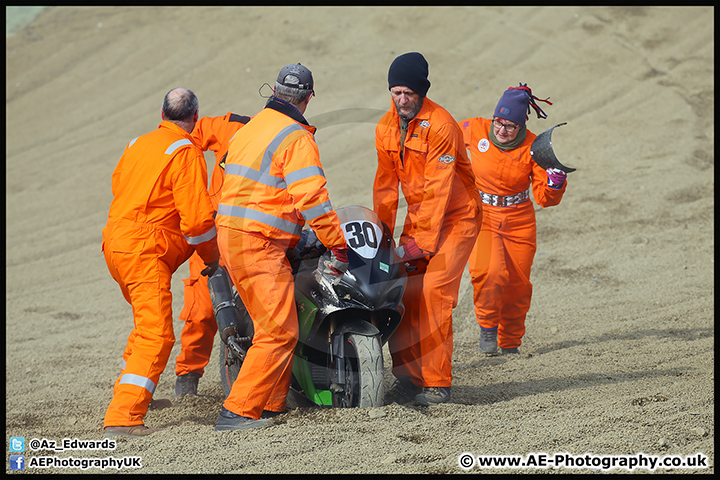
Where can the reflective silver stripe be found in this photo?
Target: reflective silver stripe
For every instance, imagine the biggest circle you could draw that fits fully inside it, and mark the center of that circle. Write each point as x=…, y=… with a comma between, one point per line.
x=132, y=379
x=202, y=238
x=269, y=180
x=180, y=143
x=254, y=175
x=133, y=142
x=314, y=212
x=263, y=176
x=275, y=143
x=500, y=201
x=303, y=173
x=275, y=222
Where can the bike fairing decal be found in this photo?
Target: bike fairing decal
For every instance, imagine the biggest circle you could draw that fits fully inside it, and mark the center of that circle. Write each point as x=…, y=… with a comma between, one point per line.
x=363, y=237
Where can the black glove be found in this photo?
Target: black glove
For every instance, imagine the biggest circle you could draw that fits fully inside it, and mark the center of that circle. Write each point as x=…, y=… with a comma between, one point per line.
x=210, y=268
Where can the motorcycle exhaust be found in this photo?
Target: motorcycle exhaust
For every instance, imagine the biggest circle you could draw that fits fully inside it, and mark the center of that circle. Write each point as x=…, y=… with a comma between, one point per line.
x=234, y=333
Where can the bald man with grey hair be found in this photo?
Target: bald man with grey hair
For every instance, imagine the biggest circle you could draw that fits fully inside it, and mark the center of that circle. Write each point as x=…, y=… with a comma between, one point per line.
x=181, y=106
x=161, y=213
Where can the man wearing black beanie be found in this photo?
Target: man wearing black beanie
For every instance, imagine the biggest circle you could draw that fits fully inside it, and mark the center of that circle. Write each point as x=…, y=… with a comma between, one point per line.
x=421, y=151
x=411, y=70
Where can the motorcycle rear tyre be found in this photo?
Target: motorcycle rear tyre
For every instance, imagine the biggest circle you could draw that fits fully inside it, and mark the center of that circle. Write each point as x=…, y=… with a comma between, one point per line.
x=364, y=386
x=229, y=372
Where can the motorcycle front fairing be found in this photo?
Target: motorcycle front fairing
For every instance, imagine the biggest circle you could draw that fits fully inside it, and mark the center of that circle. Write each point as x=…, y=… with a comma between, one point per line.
x=375, y=279
x=367, y=301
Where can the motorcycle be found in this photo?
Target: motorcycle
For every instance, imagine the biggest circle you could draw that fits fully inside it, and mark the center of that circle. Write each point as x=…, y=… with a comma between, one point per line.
x=338, y=360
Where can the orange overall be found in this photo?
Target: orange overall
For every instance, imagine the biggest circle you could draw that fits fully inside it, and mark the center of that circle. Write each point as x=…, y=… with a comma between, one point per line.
x=274, y=185
x=160, y=213
x=505, y=249
x=443, y=216
x=210, y=133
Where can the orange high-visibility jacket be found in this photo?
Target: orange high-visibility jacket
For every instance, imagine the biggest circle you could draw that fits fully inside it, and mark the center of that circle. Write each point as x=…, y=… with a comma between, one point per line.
x=500, y=172
x=274, y=181
x=435, y=173
x=214, y=133
x=161, y=180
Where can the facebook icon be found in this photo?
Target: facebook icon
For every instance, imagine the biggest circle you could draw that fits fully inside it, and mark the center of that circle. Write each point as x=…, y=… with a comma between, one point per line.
x=17, y=462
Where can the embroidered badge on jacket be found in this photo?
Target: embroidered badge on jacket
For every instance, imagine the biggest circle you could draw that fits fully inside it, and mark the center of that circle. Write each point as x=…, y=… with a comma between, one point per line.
x=483, y=145
x=424, y=124
x=446, y=159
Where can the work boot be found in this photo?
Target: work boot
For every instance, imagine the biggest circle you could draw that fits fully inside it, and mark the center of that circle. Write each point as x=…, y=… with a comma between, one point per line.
x=134, y=431
x=402, y=391
x=228, y=420
x=433, y=396
x=271, y=414
x=187, y=384
x=488, y=340
x=506, y=351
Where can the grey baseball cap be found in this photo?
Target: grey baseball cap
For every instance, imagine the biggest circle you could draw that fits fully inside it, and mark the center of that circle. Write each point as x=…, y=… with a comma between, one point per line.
x=296, y=76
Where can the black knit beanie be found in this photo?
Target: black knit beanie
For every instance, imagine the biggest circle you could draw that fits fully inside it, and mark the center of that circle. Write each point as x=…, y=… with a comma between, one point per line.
x=410, y=70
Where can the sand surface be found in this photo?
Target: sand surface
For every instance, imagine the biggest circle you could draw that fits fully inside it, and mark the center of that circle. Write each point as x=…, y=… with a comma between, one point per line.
x=619, y=352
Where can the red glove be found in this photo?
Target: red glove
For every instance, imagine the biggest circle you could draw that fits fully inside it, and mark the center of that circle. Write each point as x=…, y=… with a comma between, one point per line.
x=340, y=253
x=332, y=266
x=410, y=251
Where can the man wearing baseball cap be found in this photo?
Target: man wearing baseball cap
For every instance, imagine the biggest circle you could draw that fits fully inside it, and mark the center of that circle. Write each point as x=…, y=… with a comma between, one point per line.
x=274, y=185
x=421, y=151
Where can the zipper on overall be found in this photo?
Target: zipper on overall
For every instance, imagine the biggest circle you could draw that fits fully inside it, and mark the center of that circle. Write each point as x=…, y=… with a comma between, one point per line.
x=403, y=134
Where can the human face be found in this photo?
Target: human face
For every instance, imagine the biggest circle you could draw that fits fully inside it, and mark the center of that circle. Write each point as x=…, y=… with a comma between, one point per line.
x=407, y=102
x=501, y=127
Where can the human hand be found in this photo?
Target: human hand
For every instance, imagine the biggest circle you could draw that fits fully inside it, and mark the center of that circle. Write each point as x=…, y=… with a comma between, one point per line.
x=210, y=268
x=410, y=251
x=332, y=266
x=556, y=177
